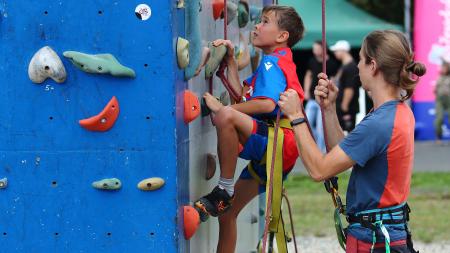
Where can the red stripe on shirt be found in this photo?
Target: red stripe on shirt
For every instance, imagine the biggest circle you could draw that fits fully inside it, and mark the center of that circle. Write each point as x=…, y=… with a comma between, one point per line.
x=400, y=156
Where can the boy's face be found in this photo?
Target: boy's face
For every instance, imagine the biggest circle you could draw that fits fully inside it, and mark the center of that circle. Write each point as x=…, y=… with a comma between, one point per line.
x=267, y=34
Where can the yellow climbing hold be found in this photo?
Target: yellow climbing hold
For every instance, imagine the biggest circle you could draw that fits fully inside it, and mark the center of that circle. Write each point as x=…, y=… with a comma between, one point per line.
x=151, y=184
x=182, y=52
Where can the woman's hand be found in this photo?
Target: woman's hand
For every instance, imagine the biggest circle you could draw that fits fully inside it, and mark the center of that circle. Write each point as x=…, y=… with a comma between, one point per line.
x=326, y=92
x=291, y=105
x=230, y=48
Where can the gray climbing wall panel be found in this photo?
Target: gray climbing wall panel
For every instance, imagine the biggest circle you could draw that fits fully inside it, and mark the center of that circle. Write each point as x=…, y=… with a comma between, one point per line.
x=203, y=140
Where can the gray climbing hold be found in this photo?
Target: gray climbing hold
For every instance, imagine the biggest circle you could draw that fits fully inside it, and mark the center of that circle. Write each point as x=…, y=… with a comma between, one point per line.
x=215, y=58
x=99, y=64
x=46, y=64
x=182, y=52
x=3, y=183
x=107, y=184
x=232, y=10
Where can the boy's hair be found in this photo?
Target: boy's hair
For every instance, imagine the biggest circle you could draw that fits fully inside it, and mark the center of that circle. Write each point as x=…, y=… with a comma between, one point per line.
x=288, y=20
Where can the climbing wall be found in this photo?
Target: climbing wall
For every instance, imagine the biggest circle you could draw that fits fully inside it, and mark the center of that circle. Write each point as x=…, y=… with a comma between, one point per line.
x=203, y=140
x=50, y=161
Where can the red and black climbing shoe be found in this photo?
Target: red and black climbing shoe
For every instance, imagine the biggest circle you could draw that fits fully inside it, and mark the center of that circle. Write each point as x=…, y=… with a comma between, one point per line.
x=215, y=203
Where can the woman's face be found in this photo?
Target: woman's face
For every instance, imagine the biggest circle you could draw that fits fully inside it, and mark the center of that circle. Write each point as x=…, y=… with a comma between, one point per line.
x=364, y=70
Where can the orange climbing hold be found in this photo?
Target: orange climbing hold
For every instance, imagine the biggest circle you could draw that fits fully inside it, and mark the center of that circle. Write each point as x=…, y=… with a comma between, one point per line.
x=191, y=221
x=218, y=6
x=105, y=119
x=191, y=106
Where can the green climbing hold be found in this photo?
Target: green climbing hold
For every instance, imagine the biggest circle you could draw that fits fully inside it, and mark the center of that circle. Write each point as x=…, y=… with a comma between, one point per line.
x=99, y=64
x=243, y=13
x=3, y=183
x=215, y=58
x=107, y=184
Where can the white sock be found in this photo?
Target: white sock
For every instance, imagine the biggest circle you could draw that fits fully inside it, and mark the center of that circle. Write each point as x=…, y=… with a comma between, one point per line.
x=227, y=184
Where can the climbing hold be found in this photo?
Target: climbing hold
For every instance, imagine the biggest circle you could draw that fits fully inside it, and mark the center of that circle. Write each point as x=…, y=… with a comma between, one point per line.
x=194, y=37
x=191, y=221
x=206, y=52
x=215, y=58
x=3, y=183
x=218, y=7
x=143, y=12
x=224, y=99
x=210, y=166
x=180, y=4
x=105, y=119
x=107, y=184
x=191, y=106
x=44, y=64
x=151, y=184
x=182, y=52
x=232, y=9
x=243, y=13
x=255, y=14
x=99, y=64
x=253, y=219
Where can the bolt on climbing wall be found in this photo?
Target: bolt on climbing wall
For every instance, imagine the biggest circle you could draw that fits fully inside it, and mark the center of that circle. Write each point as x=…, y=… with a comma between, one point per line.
x=202, y=134
x=91, y=145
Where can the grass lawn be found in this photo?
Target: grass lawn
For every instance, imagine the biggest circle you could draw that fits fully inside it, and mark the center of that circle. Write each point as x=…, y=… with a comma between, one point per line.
x=429, y=200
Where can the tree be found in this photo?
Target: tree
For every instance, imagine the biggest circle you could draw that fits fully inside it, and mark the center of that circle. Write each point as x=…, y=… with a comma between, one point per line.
x=389, y=10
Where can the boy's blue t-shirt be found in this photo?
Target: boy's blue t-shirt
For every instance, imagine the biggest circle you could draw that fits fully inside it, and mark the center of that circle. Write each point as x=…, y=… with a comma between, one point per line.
x=271, y=78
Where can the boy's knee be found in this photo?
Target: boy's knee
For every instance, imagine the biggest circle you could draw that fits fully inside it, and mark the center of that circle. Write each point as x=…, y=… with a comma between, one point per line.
x=225, y=116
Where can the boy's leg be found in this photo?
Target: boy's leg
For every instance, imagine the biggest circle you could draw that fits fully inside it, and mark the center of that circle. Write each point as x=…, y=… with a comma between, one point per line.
x=245, y=191
x=233, y=127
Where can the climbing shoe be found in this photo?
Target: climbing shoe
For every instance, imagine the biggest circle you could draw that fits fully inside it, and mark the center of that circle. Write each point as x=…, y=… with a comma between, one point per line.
x=215, y=203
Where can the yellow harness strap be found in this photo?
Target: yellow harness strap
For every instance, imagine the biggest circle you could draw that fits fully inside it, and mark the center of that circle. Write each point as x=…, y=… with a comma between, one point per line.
x=276, y=225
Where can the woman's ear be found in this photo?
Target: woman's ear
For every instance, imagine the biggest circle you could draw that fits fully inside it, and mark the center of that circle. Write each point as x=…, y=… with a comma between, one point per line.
x=373, y=67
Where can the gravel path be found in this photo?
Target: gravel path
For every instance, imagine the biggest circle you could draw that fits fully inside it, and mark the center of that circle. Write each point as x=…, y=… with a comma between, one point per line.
x=330, y=244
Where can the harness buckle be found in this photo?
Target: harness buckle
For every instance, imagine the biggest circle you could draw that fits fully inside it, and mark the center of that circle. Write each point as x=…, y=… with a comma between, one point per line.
x=367, y=221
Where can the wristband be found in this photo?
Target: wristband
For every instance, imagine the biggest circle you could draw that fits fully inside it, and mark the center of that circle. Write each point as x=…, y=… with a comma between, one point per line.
x=298, y=121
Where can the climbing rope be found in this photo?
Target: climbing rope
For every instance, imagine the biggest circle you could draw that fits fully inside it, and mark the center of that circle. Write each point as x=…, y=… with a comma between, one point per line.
x=291, y=220
x=270, y=182
x=331, y=185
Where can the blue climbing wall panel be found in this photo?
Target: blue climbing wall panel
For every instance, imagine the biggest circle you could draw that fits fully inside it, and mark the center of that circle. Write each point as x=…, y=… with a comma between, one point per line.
x=50, y=161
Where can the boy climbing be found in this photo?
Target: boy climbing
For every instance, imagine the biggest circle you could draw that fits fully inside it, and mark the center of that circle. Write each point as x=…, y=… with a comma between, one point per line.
x=242, y=129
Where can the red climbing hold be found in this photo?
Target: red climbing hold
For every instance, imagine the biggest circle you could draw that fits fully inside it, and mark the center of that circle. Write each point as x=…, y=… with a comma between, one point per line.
x=191, y=221
x=218, y=6
x=191, y=106
x=105, y=119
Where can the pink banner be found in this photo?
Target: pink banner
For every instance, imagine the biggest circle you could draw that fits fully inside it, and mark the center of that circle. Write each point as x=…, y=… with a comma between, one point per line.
x=431, y=42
